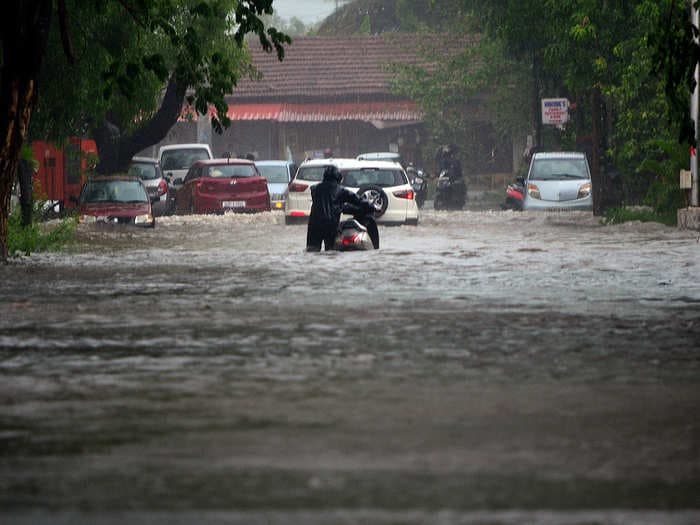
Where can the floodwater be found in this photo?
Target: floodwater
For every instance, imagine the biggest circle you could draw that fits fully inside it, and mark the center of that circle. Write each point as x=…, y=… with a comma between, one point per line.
x=483, y=367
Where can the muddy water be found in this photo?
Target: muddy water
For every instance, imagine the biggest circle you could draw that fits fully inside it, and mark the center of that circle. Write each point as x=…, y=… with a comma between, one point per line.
x=483, y=367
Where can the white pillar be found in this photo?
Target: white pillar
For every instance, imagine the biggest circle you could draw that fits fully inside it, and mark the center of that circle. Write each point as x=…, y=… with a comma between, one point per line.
x=694, y=105
x=204, y=129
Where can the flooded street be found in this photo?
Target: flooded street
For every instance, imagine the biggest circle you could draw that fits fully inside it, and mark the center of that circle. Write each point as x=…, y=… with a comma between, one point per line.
x=482, y=367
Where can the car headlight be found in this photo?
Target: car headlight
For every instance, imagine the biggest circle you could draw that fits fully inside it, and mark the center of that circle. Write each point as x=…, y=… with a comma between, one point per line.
x=88, y=219
x=533, y=191
x=584, y=190
x=143, y=219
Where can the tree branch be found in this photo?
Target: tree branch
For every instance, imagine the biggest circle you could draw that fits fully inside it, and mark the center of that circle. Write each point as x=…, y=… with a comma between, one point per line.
x=65, y=34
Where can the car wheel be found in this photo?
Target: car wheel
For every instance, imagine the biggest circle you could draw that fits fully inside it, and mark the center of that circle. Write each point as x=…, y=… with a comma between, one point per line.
x=375, y=195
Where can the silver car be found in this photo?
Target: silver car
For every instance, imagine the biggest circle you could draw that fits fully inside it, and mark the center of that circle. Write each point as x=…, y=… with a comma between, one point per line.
x=558, y=181
x=278, y=174
x=148, y=170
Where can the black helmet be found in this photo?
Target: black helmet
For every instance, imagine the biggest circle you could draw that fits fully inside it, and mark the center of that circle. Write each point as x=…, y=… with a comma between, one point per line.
x=331, y=173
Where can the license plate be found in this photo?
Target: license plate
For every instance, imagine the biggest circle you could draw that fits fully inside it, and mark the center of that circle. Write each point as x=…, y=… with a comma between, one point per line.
x=233, y=204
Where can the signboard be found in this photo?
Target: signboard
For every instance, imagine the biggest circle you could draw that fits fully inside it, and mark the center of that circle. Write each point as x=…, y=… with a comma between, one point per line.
x=555, y=111
x=686, y=180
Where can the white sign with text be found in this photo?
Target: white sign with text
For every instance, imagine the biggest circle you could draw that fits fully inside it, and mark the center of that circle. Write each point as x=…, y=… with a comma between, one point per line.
x=555, y=111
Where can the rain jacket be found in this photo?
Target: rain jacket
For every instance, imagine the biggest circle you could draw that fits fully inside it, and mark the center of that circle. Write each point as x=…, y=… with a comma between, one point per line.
x=328, y=198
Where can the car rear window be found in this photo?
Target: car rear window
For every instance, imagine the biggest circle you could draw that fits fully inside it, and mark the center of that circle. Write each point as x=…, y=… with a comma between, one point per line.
x=558, y=169
x=311, y=173
x=274, y=173
x=182, y=159
x=379, y=177
x=226, y=171
x=143, y=170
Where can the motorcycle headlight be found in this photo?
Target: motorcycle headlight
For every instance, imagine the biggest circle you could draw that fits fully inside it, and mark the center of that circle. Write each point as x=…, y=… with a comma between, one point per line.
x=584, y=190
x=533, y=191
x=143, y=219
x=88, y=219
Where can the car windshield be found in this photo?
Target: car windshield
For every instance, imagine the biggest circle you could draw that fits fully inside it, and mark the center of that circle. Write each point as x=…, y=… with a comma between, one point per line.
x=113, y=191
x=182, y=159
x=143, y=170
x=226, y=171
x=311, y=173
x=379, y=177
x=274, y=173
x=559, y=169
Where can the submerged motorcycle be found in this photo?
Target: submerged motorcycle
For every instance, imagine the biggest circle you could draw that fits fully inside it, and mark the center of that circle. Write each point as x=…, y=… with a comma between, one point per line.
x=360, y=232
x=515, y=195
x=451, y=192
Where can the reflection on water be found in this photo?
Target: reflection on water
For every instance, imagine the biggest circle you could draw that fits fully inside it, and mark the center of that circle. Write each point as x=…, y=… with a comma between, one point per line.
x=482, y=360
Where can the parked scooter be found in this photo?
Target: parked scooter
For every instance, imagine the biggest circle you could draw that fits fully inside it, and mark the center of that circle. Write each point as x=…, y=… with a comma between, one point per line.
x=420, y=187
x=419, y=181
x=360, y=232
x=451, y=192
x=515, y=195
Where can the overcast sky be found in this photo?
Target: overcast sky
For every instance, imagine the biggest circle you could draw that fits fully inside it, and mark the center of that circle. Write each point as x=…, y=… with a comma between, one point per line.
x=308, y=11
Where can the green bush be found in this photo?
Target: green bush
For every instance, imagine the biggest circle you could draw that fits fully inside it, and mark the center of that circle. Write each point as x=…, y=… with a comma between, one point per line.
x=664, y=163
x=36, y=238
x=620, y=215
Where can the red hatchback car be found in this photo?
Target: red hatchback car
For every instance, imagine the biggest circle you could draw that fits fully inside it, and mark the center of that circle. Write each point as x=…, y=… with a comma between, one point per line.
x=220, y=185
x=115, y=200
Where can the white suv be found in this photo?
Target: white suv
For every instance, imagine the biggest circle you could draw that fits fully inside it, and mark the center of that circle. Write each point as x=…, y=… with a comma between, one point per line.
x=384, y=183
x=176, y=159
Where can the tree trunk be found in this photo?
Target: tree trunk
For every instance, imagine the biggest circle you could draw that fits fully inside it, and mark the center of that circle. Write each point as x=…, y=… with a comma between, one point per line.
x=115, y=150
x=596, y=172
x=536, y=103
x=25, y=174
x=24, y=31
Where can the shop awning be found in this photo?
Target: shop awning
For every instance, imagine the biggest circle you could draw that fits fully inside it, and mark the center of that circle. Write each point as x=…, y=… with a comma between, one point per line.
x=327, y=112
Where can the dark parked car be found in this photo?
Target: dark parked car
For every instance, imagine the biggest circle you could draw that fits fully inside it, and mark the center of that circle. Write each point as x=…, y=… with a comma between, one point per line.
x=220, y=185
x=115, y=200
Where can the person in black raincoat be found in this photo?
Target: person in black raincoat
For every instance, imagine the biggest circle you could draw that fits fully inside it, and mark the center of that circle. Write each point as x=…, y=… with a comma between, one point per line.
x=327, y=199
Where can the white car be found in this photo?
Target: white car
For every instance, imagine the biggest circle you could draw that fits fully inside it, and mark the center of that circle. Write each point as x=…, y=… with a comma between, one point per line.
x=384, y=183
x=176, y=159
x=380, y=155
x=558, y=181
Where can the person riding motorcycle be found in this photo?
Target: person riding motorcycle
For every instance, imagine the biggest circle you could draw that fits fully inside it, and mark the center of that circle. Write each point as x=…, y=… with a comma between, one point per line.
x=449, y=164
x=327, y=200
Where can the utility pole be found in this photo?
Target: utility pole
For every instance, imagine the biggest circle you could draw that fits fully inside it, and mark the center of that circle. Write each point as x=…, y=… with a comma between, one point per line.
x=694, y=104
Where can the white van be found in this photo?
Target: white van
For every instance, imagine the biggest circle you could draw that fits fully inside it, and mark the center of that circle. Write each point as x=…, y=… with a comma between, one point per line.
x=175, y=159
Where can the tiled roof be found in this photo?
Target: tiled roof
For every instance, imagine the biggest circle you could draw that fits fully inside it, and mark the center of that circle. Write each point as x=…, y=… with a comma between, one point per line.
x=330, y=67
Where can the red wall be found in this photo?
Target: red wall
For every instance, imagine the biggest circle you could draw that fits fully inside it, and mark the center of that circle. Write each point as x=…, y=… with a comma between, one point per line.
x=62, y=170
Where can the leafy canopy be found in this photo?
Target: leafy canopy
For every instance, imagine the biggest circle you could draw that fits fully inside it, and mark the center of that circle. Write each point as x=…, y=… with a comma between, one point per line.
x=124, y=52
